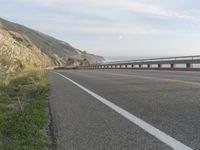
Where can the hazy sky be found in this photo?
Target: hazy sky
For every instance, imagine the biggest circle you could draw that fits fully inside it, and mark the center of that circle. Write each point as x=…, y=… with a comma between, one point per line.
x=114, y=27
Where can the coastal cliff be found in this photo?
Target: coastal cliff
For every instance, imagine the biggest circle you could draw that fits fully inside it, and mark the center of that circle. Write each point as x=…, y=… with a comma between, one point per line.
x=21, y=47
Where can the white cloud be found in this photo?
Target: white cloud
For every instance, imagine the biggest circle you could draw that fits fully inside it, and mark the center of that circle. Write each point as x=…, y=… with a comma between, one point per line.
x=105, y=16
x=152, y=10
x=109, y=29
x=120, y=37
x=110, y=8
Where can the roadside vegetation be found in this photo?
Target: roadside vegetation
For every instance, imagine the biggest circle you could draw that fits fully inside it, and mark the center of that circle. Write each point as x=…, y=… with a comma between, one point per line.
x=24, y=110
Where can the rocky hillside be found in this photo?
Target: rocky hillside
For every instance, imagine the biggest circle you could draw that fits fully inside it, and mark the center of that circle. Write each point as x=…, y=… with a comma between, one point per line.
x=22, y=47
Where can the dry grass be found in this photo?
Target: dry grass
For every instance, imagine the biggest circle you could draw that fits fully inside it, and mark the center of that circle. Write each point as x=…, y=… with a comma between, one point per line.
x=23, y=115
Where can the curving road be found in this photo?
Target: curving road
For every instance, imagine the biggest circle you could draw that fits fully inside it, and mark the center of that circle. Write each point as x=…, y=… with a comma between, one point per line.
x=100, y=109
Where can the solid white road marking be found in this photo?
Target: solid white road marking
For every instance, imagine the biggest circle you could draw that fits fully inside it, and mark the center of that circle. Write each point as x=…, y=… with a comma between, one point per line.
x=173, y=143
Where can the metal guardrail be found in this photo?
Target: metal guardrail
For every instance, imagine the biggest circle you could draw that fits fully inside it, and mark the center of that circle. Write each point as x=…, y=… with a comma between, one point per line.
x=189, y=61
x=197, y=57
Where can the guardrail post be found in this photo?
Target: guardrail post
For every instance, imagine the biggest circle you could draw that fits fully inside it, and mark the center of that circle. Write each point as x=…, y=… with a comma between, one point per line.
x=188, y=66
x=159, y=66
x=149, y=65
x=173, y=66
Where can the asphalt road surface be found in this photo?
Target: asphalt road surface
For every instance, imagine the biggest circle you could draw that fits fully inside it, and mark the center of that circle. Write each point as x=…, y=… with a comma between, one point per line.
x=125, y=109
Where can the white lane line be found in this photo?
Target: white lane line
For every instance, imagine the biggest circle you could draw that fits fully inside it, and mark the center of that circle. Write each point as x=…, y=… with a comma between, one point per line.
x=173, y=143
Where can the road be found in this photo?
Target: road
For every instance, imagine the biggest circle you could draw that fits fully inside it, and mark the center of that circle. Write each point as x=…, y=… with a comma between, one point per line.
x=166, y=100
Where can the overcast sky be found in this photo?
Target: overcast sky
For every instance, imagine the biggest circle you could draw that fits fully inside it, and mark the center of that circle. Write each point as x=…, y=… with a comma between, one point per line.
x=114, y=27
